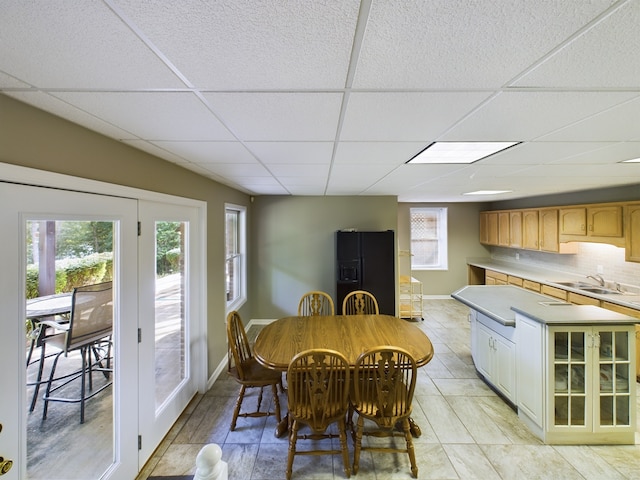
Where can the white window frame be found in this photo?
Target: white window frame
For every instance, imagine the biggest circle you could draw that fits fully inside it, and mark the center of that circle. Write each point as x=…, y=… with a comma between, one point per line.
x=241, y=256
x=442, y=238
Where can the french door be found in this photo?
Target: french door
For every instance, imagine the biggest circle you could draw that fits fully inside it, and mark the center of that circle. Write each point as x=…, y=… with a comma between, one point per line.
x=22, y=206
x=170, y=265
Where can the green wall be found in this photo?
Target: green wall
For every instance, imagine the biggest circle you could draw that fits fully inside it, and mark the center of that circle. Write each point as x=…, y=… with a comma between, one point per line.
x=293, y=245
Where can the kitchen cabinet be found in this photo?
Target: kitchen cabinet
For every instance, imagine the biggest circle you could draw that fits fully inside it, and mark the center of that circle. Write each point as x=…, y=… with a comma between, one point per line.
x=554, y=292
x=494, y=354
x=515, y=229
x=632, y=226
x=548, y=233
x=495, y=278
x=573, y=221
x=504, y=230
x=632, y=313
x=484, y=228
x=517, y=281
x=530, y=229
x=589, y=389
x=593, y=223
x=531, y=285
x=579, y=299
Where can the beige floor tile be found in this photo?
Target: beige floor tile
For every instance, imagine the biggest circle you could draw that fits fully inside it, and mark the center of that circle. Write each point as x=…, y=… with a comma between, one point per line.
x=480, y=425
x=528, y=462
x=443, y=420
x=470, y=462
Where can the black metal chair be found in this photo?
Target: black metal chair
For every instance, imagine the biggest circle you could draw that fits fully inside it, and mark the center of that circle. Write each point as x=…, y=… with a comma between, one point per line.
x=89, y=331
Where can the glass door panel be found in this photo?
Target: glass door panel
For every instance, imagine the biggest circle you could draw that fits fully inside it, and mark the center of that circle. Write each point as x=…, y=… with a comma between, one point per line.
x=614, y=386
x=569, y=386
x=169, y=309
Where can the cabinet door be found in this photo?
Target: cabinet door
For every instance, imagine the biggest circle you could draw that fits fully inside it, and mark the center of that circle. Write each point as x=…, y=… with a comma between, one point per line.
x=569, y=380
x=492, y=228
x=504, y=235
x=530, y=370
x=605, y=221
x=632, y=233
x=548, y=232
x=505, y=366
x=484, y=227
x=515, y=229
x=573, y=221
x=614, y=378
x=530, y=229
x=484, y=345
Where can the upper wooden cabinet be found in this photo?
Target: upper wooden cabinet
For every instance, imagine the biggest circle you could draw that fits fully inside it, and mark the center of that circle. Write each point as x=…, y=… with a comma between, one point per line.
x=530, y=229
x=489, y=228
x=591, y=223
x=515, y=229
x=548, y=236
x=504, y=235
x=632, y=227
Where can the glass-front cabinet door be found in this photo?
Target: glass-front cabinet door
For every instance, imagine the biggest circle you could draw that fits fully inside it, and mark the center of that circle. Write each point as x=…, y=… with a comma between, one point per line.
x=591, y=383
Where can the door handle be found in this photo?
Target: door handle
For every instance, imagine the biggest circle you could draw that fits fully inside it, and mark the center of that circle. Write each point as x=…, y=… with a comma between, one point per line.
x=5, y=465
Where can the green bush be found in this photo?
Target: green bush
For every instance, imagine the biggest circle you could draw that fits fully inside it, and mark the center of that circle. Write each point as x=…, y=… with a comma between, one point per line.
x=74, y=272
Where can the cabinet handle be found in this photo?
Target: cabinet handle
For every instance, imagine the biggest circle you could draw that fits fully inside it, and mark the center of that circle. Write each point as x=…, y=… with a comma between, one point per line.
x=582, y=227
x=591, y=228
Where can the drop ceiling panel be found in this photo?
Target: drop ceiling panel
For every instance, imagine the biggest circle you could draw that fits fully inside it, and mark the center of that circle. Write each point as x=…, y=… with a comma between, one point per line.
x=609, y=153
x=252, y=44
x=534, y=153
x=300, y=170
x=62, y=109
x=605, y=55
x=292, y=152
x=209, y=152
x=399, y=116
x=437, y=44
x=62, y=44
x=368, y=153
x=524, y=116
x=279, y=116
x=234, y=171
x=152, y=116
x=619, y=123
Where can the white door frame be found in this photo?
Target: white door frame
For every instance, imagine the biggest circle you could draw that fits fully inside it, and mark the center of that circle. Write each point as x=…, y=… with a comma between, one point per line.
x=34, y=177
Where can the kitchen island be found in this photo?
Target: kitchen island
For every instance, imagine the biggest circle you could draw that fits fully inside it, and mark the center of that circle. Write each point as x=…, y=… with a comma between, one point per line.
x=567, y=369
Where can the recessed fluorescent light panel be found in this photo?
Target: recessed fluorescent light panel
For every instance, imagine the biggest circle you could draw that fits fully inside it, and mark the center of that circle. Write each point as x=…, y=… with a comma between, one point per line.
x=488, y=192
x=633, y=160
x=459, y=152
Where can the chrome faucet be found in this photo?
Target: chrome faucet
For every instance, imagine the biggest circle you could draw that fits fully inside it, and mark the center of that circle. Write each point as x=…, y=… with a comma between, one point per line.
x=598, y=278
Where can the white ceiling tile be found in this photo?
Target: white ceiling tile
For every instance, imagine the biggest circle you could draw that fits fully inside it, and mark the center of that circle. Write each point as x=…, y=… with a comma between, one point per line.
x=369, y=153
x=306, y=190
x=405, y=116
x=157, y=151
x=257, y=189
x=252, y=44
x=533, y=153
x=608, y=153
x=279, y=116
x=606, y=55
x=458, y=43
x=311, y=181
x=209, y=152
x=152, y=116
x=62, y=44
x=60, y=108
x=513, y=116
x=292, y=152
x=237, y=170
x=299, y=170
x=8, y=82
x=619, y=123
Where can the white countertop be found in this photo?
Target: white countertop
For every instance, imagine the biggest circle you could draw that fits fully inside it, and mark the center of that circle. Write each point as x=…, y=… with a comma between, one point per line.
x=501, y=302
x=552, y=278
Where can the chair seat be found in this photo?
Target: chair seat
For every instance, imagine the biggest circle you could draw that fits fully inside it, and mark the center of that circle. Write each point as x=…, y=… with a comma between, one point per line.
x=255, y=374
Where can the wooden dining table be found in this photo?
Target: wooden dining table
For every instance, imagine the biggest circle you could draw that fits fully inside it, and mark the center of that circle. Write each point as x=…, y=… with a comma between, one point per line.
x=351, y=335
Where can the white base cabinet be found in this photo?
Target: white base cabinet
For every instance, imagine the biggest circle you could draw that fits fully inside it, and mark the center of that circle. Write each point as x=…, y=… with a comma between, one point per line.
x=494, y=354
x=576, y=384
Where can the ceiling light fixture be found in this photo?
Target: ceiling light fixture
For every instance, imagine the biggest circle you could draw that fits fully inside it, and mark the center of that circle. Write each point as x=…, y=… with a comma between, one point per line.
x=459, y=152
x=632, y=160
x=488, y=192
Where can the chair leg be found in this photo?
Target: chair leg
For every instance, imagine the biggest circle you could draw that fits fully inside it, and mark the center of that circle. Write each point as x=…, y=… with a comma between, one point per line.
x=358, y=445
x=276, y=401
x=39, y=377
x=342, y=430
x=236, y=410
x=410, y=450
x=83, y=354
x=293, y=438
x=48, y=391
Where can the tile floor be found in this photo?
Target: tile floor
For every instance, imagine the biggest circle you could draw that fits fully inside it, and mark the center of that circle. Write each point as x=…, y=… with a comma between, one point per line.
x=468, y=432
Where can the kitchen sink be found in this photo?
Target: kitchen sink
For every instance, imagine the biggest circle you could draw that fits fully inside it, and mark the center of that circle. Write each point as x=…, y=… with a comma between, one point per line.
x=600, y=290
x=589, y=287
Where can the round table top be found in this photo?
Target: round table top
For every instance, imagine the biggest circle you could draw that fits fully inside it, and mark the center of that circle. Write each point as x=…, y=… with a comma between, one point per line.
x=350, y=335
x=49, y=305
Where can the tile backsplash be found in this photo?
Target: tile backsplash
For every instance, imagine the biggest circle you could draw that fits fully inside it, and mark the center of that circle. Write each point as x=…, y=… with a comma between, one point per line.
x=585, y=262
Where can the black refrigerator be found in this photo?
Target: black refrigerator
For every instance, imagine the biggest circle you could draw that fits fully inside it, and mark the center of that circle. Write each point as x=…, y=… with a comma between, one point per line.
x=366, y=261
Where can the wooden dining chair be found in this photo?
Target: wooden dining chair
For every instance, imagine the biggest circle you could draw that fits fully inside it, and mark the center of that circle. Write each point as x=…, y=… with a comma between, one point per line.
x=318, y=395
x=88, y=331
x=383, y=385
x=246, y=370
x=315, y=303
x=360, y=302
